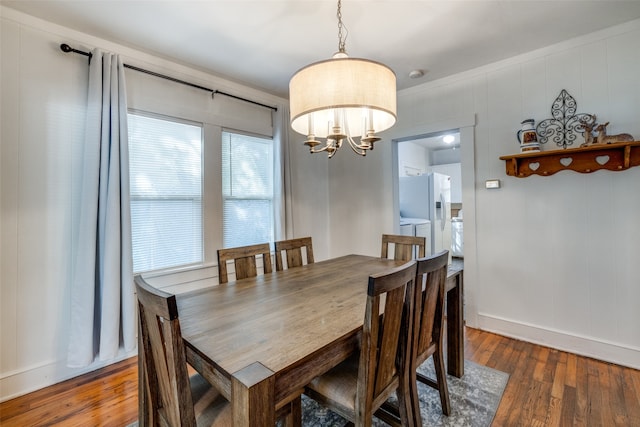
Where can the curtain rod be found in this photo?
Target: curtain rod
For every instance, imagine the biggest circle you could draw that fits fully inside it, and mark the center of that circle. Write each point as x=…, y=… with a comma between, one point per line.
x=66, y=48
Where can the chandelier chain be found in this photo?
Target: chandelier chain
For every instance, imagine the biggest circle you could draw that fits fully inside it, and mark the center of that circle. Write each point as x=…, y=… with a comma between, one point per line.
x=341, y=39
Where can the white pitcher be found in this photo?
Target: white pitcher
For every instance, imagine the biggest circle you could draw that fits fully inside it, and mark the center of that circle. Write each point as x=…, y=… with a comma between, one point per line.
x=527, y=135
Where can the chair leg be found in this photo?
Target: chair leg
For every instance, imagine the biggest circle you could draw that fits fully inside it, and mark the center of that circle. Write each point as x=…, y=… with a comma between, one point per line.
x=389, y=414
x=408, y=402
x=441, y=375
x=293, y=417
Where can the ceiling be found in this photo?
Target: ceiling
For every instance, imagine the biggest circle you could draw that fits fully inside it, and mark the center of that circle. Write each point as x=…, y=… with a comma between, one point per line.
x=262, y=43
x=437, y=142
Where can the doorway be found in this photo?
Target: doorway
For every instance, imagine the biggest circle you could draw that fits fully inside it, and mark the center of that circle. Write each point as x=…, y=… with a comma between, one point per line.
x=464, y=126
x=439, y=154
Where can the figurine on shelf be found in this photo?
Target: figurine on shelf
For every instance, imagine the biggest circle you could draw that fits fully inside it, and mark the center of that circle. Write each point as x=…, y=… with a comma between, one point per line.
x=588, y=124
x=603, y=138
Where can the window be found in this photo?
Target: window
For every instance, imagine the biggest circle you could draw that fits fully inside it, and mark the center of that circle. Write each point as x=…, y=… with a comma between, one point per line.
x=165, y=168
x=247, y=189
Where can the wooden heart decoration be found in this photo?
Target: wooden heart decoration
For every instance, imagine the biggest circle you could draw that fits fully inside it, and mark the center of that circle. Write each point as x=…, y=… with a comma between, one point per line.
x=534, y=166
x=566, y=161
x=602, y=160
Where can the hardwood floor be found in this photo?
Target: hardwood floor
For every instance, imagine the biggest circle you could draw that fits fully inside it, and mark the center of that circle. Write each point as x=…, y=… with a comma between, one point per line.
x=549, y=387
x=107, y=397
x=546, y=388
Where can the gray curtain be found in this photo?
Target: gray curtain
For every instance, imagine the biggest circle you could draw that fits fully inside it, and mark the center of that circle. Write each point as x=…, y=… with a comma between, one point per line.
x=102, y=294
x=283, y=204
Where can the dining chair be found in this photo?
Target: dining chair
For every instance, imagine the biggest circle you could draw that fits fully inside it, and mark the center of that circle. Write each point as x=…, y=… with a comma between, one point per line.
x=174, y=398
x=244, y=258
x=428, y=332
x=357, y=387
x=403, y=246
x=293, y=251
x=428, y=326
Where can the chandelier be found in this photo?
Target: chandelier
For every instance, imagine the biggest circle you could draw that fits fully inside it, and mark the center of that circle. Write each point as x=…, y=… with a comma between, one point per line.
x=342, y=99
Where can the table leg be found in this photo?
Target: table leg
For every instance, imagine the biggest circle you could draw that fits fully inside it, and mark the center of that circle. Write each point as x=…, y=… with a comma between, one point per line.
x=455, y=328
x=253, y=396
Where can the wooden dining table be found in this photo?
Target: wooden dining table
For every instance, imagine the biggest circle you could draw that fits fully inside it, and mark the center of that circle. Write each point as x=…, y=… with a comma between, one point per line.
x=260, y=340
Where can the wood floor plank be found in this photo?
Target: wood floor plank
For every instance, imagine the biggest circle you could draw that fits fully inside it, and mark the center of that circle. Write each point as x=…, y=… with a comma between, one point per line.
x=609, y=396
x=510, y=404
x=580, y=415
x=546, y=388
x=559, y=378
x=631, y=397
x=635, y=378
x=595, y=406
x=572, y=361
x=615, y=395
x=502, y=352
x=538, y=372
x=554, y=412
x=487, y=350
x=520, y=413
x=540, y=411
x=568, y=406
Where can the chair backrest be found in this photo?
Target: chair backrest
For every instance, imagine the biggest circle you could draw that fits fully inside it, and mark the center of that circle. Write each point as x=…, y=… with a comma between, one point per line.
x=293, y=250
x=384, y=352
x=244, y=258
x=431, y=274
x=163, y=357
x=403, y=246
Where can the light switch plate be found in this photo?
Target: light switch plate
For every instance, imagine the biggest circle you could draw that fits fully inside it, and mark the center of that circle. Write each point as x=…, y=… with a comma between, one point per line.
x=492, y=183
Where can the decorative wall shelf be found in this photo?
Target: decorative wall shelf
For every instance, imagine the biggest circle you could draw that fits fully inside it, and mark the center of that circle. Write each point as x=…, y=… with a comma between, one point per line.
x=613, y=157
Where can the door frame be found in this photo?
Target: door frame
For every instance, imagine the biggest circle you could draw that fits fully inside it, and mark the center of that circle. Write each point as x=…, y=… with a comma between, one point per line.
x=466, y=126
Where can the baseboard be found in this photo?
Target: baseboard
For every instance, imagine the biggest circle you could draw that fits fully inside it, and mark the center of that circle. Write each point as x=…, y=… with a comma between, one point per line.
x=619, y=354
x=27, y=380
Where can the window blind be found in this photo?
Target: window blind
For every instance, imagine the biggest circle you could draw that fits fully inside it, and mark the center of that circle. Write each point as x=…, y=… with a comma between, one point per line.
x=165, y=163
x=247, y=189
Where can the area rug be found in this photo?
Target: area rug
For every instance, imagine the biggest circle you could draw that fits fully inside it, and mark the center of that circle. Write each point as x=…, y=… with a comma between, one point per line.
x=474, y=400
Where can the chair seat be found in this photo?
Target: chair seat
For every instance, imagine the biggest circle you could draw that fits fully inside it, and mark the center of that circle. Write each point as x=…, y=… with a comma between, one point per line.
x=338, y=385
x=211, y=408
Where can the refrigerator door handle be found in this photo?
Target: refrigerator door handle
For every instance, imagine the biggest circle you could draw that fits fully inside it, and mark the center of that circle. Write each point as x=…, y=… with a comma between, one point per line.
x=443, y=212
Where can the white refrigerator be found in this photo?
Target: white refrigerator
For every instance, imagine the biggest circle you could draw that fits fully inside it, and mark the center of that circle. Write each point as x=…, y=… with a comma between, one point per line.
x=428, y=197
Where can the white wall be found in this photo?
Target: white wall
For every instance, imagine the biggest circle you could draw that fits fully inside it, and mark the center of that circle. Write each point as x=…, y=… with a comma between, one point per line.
x=413, y=159
x=557, y=257
x=43, y=99
x=445, y=156
x=310, y=198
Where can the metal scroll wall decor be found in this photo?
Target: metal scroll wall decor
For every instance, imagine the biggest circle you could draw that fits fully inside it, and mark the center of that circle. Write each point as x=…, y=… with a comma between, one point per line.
x=566, y=125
